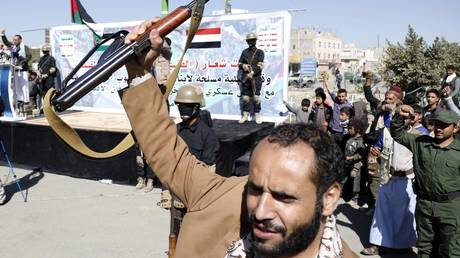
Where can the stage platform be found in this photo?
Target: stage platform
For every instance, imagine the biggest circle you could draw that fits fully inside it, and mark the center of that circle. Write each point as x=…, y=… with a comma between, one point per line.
x=33, y=143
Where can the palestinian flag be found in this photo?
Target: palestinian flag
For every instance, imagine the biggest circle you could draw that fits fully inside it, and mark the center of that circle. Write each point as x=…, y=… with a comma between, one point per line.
x=79, y=14
x=207, y=38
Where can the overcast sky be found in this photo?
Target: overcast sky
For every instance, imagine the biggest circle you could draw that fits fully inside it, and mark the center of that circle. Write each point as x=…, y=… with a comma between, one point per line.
x=355, y=21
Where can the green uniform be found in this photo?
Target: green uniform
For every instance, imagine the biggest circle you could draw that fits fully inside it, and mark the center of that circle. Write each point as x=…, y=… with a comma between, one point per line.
x=437, y=184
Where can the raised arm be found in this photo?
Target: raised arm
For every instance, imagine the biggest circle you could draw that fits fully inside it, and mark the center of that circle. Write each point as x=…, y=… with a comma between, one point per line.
x=326, y=84
x=398, y=131
x=165, y=152
x=290, y=108
x=5, y=39
x=373, y=101
x=447, y=96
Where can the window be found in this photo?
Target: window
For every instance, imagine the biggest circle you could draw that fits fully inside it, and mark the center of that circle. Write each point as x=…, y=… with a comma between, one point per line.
x=333, y=45
x=329, y=45
x=293, y=46
x=319, y=44
x=328, y=56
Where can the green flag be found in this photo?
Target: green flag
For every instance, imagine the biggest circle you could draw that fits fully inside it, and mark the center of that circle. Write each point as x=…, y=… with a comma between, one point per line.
x=164, y=7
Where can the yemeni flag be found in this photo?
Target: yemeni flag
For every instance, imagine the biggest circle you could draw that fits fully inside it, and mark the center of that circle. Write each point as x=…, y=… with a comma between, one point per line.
x=207, y=38
x=79, y=14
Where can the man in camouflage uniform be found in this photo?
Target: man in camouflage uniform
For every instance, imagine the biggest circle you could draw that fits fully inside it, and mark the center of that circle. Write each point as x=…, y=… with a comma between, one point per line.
x=437, y=182
x=250, y=76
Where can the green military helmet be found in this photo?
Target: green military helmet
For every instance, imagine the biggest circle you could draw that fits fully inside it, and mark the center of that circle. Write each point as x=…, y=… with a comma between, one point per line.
x=251, y=36
x=46, y=47
x=189, y=94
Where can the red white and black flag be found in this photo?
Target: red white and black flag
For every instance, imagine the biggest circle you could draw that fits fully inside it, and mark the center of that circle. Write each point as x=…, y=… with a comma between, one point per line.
x=207, y=38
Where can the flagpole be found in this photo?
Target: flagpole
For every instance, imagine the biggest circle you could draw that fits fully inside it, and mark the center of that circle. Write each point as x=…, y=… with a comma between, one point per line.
x=164, y=7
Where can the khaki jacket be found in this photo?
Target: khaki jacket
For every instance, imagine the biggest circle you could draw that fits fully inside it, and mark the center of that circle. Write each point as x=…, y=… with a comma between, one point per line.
x=214, y=218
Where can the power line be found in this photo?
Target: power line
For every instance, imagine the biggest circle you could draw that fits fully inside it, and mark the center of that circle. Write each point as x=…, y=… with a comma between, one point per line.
x=297, y=10
x=37, y=29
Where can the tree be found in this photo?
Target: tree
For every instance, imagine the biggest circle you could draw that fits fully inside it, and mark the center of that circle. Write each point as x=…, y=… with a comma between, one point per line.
x=415, y=64
x=441, y=54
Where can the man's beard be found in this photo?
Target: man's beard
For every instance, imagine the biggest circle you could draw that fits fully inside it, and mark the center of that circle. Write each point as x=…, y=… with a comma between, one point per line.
x=296, y=242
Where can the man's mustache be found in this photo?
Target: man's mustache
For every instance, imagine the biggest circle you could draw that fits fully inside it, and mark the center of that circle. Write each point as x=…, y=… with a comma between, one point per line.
x=268, y=225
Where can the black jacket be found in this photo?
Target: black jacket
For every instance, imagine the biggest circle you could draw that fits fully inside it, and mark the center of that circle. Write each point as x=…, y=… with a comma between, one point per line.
x=327, y=113
x=22, y=61
x=253, y=57
x=201, y=141
x=45, y=63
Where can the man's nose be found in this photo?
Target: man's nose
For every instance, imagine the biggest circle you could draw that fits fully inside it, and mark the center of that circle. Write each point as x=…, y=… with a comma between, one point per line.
x=265, y=208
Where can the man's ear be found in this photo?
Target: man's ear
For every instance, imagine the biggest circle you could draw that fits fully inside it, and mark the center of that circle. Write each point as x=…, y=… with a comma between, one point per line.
x=456, y=127
x=330, y=199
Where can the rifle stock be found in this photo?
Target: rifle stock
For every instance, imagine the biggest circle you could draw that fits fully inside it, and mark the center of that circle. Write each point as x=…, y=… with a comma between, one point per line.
x=101, y=72
x=172, y=246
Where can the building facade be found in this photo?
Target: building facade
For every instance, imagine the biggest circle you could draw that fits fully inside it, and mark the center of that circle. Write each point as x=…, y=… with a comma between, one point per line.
x=326, y=47
x=356, y=60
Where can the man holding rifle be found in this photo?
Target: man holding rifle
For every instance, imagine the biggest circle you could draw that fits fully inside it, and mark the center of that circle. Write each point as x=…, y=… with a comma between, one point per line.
x=283, y=209
x=250, y=70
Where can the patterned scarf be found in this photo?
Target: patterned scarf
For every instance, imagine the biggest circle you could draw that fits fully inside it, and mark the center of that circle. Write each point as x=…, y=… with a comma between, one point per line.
x=330, y=247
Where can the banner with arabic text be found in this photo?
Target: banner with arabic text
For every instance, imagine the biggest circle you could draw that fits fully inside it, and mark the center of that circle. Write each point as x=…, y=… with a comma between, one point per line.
x=211, y=63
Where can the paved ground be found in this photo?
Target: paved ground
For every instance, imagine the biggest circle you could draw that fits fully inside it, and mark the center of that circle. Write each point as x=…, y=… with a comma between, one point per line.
x=70, y=217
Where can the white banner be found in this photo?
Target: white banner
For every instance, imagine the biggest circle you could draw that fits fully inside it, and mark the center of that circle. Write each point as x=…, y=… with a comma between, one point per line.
x=212, y=63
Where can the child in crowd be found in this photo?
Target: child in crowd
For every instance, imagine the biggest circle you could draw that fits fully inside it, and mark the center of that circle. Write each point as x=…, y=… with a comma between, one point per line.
x=416, y=122
x=346, y=113
x=321, y=112
x=302, y=113
x=354, y=155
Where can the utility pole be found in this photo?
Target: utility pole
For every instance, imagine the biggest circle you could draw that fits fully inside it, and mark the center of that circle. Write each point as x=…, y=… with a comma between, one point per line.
x=46, y=30
x=228, y=6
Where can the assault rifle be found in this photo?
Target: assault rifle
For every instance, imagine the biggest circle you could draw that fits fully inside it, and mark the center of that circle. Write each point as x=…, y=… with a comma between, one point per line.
x=112, y=61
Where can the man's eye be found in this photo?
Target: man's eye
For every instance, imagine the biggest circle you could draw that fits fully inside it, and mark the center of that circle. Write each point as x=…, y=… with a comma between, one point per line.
x=254, y=191
x=284, y=198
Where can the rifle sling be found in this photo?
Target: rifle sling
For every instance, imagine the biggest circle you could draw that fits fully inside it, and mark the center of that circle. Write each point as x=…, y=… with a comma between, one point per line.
x=71, y=137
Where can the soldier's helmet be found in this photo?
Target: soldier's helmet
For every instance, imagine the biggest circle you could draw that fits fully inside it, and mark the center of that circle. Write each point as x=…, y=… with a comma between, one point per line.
x=189, y=94
x=251, y=36
x=46, y=47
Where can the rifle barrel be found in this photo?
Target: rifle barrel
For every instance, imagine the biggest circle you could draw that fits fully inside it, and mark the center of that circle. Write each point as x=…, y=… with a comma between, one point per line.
x=101, y=72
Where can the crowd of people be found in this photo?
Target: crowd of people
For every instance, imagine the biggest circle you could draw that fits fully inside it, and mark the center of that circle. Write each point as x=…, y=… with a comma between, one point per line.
x=400, y=160
x=390, y=168
x=30, y=86
x=402, y=164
